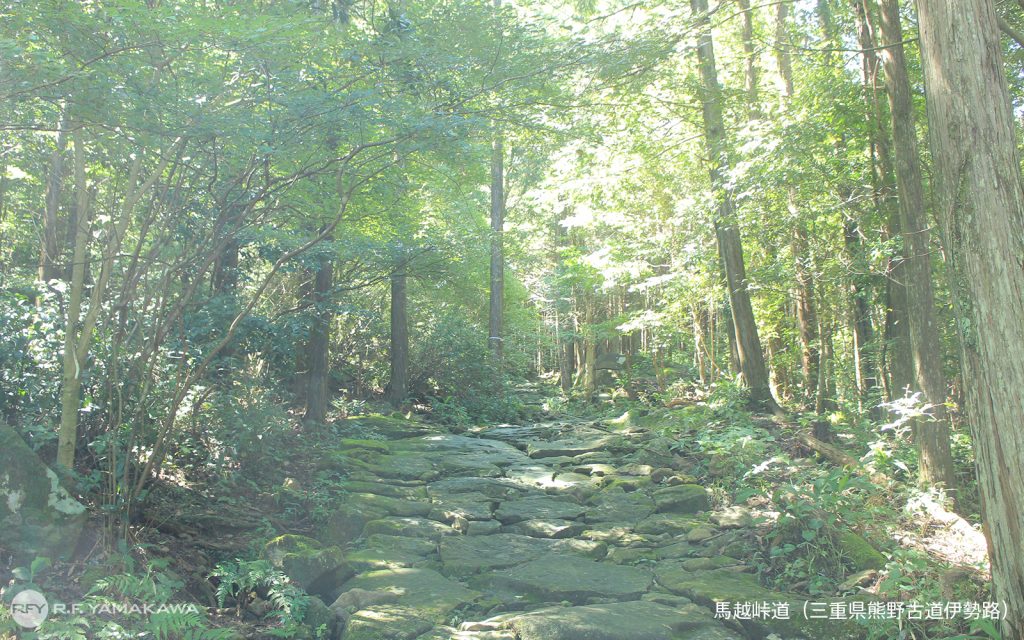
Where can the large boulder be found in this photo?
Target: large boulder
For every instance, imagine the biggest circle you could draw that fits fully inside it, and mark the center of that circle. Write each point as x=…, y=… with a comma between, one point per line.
x=317, y=569
x=37, y=516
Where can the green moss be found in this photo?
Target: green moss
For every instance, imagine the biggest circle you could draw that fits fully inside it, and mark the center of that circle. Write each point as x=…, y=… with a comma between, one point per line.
x=346, y=444
x=315, y=568
x=627, y=483
x=859, y=551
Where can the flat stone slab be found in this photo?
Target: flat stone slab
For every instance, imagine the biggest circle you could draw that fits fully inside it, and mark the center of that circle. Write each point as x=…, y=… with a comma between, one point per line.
x=466, y=555
x=554, y=578
x=386, y=622
x=391, y=505
x=619, y=506
x=470, y=554
x=569, y=448
x=548, y=528
x=424, y=593
x=375, y=559
x=637, y=620
x=409, y=528
x=683, y=498
x=670, y=523
x=471, y=505
x=496, y=488
x=725, y=585
x=533, y=507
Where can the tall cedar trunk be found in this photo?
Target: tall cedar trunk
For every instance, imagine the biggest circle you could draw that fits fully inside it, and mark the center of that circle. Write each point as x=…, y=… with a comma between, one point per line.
x=981, y=212
x=936, y=466
x=398, y=386
x=806, y=318
x=881, y=179
x=495, y=327
x=49, y=249
x=730, y=246
x=318, y=346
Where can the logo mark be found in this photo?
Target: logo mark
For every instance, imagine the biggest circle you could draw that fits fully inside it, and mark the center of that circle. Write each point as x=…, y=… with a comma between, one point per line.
x=29, y=608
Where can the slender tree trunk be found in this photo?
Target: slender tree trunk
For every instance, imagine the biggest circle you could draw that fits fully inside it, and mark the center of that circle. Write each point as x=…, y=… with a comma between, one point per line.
x=318, y=347
x=897, y=325
x=399, y=383
x=981, y=211
x=861, y=328
x=730, y=246
x=826, y=398
x=589, y=349
x=497, y=298
x=699, y=352
x=936, y=461
x=49, y=249
x=750, y=61
x=71, y=379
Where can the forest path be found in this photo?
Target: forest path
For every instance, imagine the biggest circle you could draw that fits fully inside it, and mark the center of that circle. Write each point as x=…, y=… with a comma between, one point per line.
x=548, y=531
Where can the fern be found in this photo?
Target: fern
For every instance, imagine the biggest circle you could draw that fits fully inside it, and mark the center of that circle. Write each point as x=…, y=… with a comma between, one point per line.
x=239, y=578
x=169, y=625
x=73, y=628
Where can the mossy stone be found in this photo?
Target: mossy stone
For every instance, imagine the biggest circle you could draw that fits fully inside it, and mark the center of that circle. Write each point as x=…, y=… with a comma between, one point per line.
x=317, y=569
x=859, y=551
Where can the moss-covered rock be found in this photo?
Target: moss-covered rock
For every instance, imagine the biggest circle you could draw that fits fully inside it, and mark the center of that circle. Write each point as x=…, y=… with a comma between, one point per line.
x=317, y=569
x=37, y=516
x=320, y=622
x=683, y=498
x=390, y=427
x=346, y=523
x=859, y=552
x=409, y=527
x=424, y=593
x=392, y=506
x=386, y=622
x=626, y=483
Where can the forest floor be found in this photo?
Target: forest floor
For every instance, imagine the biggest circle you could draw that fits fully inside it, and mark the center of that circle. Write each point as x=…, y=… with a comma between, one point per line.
x=558, y=528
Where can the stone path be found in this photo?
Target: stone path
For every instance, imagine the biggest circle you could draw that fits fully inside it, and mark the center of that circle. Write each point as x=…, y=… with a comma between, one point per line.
x=555, y=531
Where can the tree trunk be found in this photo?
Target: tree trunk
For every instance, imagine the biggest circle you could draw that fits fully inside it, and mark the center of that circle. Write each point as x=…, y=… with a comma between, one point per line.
x=932, y=438
x=981, y=211
x=49, y=249
x=749, y=61
x=71, y=379
x=589, y=349
x=730, y=246
x=398, y=387
x=867, y=381
x=318, y=347
x=807, y=322
x=497, y=299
